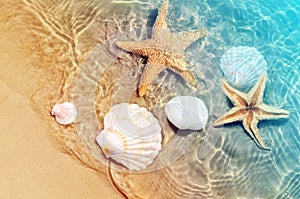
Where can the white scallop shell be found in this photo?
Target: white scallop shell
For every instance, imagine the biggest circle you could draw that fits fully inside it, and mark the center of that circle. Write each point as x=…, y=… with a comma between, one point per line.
x=64, y=113
x=242, y=66
x=131, y=136
x=187, y=112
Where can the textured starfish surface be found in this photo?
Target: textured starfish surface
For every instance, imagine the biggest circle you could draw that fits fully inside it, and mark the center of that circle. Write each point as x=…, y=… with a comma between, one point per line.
x=164, y=50
x=250, y=108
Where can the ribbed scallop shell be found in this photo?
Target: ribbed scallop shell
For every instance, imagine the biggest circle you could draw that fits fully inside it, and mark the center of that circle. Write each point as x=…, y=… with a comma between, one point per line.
x=131, y=136
x=64, y=113
x=242, y=66
x=187, y=112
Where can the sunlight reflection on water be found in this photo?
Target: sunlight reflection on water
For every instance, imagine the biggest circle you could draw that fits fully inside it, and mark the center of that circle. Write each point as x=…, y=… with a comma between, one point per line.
x=217, y=162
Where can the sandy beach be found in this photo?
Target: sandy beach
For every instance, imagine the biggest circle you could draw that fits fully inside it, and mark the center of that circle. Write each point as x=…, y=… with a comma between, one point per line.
x=31, y=166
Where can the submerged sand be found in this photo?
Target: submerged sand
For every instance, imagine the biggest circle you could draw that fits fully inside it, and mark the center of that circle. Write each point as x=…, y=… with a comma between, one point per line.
x=43, y=43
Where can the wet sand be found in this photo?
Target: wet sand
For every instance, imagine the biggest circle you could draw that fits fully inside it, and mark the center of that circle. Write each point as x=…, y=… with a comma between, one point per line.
x=31, y=166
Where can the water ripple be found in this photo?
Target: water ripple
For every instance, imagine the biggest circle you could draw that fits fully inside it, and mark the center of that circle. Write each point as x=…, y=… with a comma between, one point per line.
x=217, y=162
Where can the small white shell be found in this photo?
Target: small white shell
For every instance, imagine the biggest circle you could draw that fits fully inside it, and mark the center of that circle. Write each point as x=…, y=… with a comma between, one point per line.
x=64, y=113
x=242, y=66
x=131, y=136
x=187, y=112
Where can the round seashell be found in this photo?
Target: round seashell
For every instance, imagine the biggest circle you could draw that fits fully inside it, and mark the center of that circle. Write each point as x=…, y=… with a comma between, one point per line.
x=64, y=113
x=242, y=66
x=187, y=112
x=131, y=136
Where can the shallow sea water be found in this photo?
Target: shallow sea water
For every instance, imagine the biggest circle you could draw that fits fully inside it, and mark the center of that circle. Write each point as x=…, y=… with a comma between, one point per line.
x=211, y=163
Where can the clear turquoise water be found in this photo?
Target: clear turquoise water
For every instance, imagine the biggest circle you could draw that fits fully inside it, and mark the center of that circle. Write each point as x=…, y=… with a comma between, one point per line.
x=273, y=27
x=235, y=167
x=220, y=162
x=230, y=165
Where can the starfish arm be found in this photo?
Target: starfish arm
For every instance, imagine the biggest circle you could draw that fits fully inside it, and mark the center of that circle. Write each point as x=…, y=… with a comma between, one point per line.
x=175, y=61
x=268, y=112
x=235, y=114
x=250, y=125
x=138, y=47
x=161, y=22
x=257, y=92
x=237, y=98
x=191, y=36
x=150, y=72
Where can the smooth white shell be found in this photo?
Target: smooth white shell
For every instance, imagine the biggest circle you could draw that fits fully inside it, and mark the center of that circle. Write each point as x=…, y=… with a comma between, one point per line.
x=242, y=66
x=64, y=113
x=187, y=112
x=131, y=136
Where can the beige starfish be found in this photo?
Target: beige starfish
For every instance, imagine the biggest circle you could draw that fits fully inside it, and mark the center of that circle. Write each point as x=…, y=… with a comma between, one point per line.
x=163, y=50
x=249, y=108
